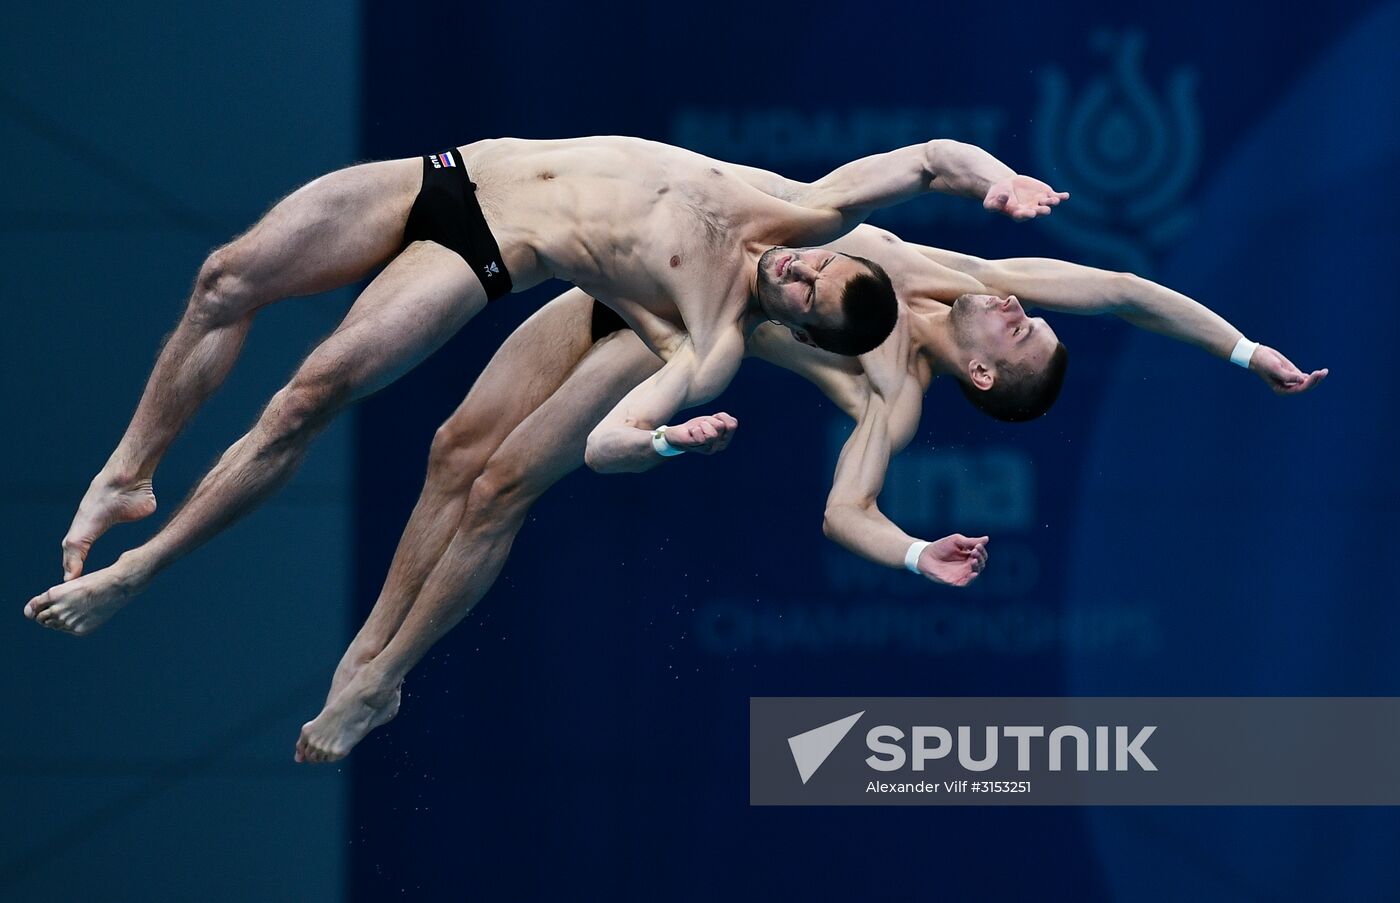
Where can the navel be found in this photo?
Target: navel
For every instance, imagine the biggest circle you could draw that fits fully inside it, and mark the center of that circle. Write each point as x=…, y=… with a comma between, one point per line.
x=675, y=260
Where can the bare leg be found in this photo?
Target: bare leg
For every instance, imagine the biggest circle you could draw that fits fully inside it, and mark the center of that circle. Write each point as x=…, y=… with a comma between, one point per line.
x=326, y=234
x=545, y=447
x=532, y=363
x=410, y=309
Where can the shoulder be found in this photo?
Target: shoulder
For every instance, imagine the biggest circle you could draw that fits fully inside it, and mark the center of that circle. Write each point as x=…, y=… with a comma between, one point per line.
x=887, y=367
x=784, y=217
x=906, y=265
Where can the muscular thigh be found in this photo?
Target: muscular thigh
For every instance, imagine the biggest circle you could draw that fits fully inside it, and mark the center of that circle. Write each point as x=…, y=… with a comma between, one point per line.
x=528, y=367
x=550, y=442
x=331, y=231
x=410, y=309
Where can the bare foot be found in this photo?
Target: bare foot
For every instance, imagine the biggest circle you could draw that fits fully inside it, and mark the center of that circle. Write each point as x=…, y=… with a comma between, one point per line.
x=346, y=719
x=81, y=606
x=107, y=502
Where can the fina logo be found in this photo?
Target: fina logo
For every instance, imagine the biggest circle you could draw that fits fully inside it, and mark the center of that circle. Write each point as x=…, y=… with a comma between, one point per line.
x=1129, y=155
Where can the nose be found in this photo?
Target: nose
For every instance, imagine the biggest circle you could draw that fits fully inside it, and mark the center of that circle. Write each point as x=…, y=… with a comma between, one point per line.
x=801, y=269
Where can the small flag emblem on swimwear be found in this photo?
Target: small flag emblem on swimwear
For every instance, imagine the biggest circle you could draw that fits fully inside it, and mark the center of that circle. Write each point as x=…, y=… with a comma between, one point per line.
x=441, y=160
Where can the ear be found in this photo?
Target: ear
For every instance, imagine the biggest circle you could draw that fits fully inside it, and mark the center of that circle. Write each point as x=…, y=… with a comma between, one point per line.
x=980, y=375
x=802, y=336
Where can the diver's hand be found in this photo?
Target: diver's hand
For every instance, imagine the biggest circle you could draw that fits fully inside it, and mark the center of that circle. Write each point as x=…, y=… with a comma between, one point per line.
x=1022, y=198
x=954, y=560
x=1279, y=373
x=705, y=435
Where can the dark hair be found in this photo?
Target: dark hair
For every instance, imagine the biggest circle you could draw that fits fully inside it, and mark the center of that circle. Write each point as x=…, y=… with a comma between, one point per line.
x=1020, y=393
x=870, y=311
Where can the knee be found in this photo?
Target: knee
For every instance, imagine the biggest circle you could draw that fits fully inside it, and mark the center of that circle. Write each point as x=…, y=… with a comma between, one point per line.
x=502, y=488
x=303, y=407
x=222, y=290
x=455, y=458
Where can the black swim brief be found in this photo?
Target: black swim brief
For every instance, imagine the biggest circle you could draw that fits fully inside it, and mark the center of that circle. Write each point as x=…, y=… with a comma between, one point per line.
x=446, y=211
x=606, y=321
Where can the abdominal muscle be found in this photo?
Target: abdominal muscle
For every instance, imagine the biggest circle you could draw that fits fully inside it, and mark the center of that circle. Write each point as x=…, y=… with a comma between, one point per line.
x=611, y=215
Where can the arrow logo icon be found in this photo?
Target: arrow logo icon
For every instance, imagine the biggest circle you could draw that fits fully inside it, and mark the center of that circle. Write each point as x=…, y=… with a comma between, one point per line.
x=810, y=749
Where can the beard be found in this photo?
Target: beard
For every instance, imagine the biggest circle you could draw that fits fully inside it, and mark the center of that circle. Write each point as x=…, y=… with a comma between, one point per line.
x=763, y=265
x=960, y=317
x=766, y=289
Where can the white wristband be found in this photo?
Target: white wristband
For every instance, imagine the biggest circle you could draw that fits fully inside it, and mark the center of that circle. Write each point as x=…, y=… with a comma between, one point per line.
x=911, y=557
x=661, y=446
x=1244, y=351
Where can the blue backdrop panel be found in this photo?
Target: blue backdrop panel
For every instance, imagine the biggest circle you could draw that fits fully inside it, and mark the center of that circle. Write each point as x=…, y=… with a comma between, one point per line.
x=1170, y=528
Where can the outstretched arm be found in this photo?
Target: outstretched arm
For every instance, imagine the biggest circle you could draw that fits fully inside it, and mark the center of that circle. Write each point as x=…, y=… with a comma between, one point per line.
x=625, y=440
x=852, y=192
x=1070, y=288
x=853, y=518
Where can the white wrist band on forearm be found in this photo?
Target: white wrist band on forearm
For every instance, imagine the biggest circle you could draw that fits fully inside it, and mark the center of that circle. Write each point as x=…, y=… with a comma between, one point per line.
x=1244, y=351
x=661, y=446
x=911, y=557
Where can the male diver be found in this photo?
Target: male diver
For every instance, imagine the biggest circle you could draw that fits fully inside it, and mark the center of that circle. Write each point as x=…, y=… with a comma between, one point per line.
x=687, y=251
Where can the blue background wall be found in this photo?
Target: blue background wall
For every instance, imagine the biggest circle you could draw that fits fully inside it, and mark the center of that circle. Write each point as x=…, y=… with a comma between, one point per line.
x=153, y=760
